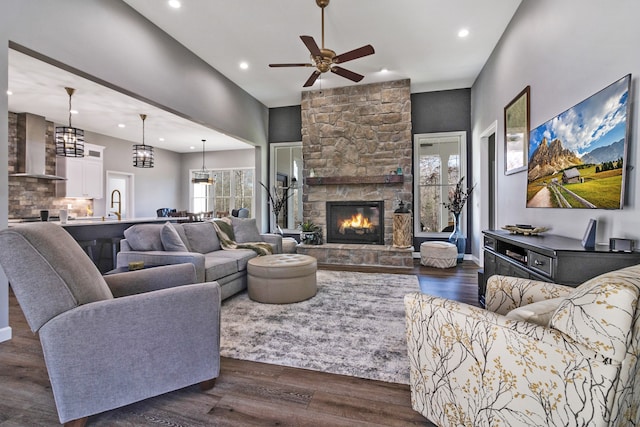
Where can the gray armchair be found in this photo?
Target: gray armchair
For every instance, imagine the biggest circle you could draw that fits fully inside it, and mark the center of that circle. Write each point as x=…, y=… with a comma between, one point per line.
x=158, y=334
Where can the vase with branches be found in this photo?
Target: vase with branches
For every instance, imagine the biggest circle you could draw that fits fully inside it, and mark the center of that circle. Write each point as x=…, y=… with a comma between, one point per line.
x=457, y=198
x=277, y=201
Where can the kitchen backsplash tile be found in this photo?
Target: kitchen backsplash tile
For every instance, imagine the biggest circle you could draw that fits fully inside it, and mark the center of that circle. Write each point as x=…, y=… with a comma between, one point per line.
x=27, y=196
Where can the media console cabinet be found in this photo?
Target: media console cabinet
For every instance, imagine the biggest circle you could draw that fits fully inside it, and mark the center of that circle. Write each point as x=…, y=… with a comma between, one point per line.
x=547, y=257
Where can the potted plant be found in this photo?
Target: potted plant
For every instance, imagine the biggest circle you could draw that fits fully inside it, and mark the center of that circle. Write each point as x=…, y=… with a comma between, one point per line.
x=310, y=233
x=457, y=199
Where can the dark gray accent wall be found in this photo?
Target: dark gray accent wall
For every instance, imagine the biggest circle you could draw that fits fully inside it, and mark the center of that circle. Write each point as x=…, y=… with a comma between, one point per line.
x=441, y=111
x=285, y=124
x=444, y=111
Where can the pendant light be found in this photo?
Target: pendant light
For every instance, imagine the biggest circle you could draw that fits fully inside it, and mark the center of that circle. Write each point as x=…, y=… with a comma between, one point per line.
x=142, y=154
x=202, y=176
x=69, y=140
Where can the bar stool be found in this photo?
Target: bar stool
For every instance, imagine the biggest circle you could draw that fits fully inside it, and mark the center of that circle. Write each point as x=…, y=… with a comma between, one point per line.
x=87, y=246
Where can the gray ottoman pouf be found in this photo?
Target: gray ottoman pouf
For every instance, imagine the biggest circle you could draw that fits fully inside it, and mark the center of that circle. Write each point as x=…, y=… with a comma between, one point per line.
x=438, y=254
x=282, y=278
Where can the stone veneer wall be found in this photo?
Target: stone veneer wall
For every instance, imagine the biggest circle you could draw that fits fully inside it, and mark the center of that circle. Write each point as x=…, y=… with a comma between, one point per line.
x=353, y=132
x=27, y=196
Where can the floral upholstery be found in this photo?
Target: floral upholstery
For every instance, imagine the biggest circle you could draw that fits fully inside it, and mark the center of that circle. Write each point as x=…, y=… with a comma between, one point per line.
x=475, y=367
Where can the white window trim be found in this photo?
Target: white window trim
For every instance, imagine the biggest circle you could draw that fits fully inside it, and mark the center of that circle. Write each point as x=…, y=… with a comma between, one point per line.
x=423, y=138
x=253, y=199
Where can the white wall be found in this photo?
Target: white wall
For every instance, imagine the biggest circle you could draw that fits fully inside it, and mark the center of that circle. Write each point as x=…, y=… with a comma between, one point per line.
x=566, y=51
x=154, y=188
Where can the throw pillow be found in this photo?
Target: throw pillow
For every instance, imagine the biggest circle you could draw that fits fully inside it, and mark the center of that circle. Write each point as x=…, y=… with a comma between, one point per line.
x=144, y=237
x=538, y=312
x=202, y=237
x=245, y=230
x=599, y=313
x=171, y=240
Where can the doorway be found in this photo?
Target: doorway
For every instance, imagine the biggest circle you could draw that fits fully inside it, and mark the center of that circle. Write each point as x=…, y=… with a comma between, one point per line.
x=123, y=183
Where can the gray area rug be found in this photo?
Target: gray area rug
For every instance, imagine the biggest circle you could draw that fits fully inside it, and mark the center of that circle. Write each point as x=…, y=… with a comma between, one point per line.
x=353, y=326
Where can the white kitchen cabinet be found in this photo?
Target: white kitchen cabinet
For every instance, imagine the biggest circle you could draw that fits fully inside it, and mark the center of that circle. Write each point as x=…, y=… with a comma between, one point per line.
x=85, y=178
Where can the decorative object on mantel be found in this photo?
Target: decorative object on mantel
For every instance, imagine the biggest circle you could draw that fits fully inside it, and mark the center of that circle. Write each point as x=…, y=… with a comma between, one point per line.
x=527, y=230
x=277, y=201
x=69, y=140
x=310, y=233
x=202, y=176
x=457, y=198
x=142, y=154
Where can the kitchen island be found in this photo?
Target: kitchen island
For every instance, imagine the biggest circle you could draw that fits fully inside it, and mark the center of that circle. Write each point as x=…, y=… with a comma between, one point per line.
x=101, y=238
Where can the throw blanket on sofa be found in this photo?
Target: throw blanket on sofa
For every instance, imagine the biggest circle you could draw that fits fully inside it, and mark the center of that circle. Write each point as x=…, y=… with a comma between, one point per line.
x=227, y=239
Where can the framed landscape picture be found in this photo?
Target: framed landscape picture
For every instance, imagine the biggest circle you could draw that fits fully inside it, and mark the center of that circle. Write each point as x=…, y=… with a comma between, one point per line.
x=516, y=133
x=578, y=158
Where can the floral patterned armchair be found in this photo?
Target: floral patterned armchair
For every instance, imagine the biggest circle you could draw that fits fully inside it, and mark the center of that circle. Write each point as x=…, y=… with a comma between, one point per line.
x=540, y=355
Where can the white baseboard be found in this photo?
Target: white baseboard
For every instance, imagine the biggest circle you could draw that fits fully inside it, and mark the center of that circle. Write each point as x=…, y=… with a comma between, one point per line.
x=5, y=334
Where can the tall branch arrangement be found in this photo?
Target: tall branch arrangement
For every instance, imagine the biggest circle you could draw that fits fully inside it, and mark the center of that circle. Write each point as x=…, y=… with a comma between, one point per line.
x=458, y=197
x=275, y=200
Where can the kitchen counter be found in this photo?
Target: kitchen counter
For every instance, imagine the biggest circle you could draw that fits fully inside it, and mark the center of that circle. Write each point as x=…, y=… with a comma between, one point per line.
x=106, y=234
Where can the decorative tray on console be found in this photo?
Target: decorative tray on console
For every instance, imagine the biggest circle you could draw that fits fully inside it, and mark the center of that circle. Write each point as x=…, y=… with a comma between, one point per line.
x=525, y=229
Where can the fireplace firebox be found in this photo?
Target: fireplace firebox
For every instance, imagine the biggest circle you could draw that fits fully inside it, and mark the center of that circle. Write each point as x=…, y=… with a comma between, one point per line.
x=355, y=222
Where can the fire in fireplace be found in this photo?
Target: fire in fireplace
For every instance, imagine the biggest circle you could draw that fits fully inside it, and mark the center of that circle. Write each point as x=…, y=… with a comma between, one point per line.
x=355, y=222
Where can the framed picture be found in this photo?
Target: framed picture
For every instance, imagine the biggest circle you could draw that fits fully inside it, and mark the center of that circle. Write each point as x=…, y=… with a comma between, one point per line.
x=516, y=133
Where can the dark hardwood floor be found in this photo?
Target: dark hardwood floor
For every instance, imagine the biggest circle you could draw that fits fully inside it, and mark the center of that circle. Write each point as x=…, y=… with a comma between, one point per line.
x=245, y=394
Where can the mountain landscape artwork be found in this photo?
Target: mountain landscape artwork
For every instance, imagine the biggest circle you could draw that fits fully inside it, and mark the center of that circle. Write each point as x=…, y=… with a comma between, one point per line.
x=578, y=158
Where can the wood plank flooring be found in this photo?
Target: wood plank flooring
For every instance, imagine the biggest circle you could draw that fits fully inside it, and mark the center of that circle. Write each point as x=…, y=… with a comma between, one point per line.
x=245, y=394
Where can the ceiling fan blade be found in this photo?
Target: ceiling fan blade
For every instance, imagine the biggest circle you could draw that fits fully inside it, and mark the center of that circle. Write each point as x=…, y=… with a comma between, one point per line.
x=347, y=74
x=312, y=79
x=290, y=65
x=311, y=44
x=354, y=54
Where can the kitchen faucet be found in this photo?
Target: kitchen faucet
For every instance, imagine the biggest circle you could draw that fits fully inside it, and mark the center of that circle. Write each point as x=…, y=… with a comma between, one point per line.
x=119, y=202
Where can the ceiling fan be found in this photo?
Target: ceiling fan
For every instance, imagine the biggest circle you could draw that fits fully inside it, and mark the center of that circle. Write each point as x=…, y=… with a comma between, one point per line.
x=326, y=59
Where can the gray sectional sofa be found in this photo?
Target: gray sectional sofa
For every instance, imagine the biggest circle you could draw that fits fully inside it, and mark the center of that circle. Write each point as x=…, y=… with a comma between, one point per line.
x=196, y=243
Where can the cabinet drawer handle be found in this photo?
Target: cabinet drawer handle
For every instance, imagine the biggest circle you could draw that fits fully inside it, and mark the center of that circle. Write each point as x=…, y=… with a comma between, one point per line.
x=537, y=262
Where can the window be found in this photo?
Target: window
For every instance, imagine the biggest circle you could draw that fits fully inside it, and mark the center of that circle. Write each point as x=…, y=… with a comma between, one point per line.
x=440, y=161
x=286, y=177
x=231, y=189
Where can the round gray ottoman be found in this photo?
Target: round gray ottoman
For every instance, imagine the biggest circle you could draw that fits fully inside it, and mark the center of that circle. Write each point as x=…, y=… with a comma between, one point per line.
x=282, y=278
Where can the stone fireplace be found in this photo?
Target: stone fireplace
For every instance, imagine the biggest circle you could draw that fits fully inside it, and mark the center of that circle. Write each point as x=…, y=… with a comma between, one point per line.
x=357, y=146
x=355, y=222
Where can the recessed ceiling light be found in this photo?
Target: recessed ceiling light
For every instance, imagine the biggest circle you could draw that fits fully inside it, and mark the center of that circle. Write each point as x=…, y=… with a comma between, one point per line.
x=9, y=92
x=73, y=111
x=121, y=125
x=463, y=33
x=384, y=70
x=175, y=4
x=244, y=65
x=192, y=148
x=160, y=139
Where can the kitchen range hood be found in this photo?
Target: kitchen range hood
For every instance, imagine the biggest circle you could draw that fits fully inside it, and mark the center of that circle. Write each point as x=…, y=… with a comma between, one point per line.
x=32, y=147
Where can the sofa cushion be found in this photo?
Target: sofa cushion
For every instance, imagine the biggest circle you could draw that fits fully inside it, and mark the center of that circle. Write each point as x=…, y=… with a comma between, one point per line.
x=201, y=237
x=144, y=237
x=245, y=230
x=171, y=240
x=538, y=312
x=599, y=313
x=240, y=256
x=216, y=267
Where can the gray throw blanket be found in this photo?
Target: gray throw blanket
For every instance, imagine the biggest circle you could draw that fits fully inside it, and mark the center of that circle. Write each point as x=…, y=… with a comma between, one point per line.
x=224, y=229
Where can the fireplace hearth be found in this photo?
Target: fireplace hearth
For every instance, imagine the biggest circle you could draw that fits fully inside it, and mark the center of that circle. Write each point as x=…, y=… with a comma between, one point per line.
x=358, y=222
